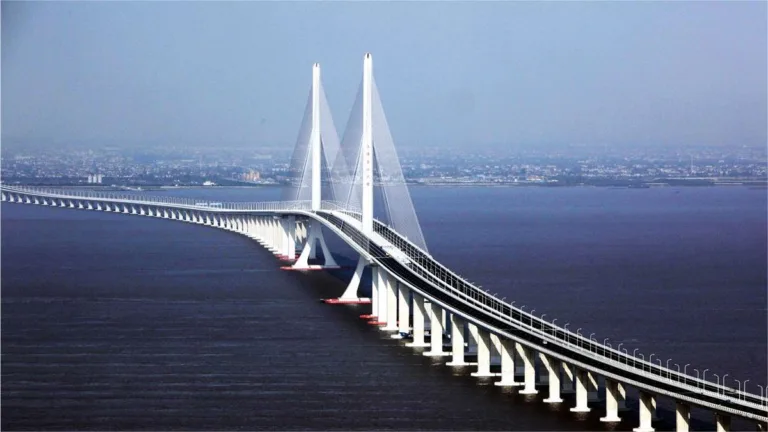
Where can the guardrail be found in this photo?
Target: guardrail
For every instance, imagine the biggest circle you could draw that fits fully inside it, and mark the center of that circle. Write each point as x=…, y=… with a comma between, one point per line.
x=176, y=202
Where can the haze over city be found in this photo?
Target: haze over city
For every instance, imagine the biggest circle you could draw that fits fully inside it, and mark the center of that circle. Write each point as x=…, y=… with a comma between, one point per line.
x=464, y=74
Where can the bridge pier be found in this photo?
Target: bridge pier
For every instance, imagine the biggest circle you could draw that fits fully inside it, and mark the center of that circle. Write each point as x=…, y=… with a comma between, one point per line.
x=581, y=390
x=436, y=331
x=391, y=299
x=381, y=296
x=526, y=354
x=553, y=371
x=314, y=237
x=351, y=292
x=611, y=402
x=507, y=352
x=483, y=352
x=278, y=236
x=592, y=388
x=682, y=417
x=722, y=422
x=263, y=231
x=289, y=240
x=403, y=311
x=457, y=341
x=647, y=406
x=568, y=379
x=418, y=322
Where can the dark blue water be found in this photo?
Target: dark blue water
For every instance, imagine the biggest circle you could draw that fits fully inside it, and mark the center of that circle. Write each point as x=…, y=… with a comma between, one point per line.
x=121, y=322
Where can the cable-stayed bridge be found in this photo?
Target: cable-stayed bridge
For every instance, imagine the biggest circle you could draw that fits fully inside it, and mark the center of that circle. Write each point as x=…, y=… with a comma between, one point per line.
x=354, y=188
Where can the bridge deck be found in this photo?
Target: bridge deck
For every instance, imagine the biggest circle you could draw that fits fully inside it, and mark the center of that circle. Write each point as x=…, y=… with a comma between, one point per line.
x=418, y=269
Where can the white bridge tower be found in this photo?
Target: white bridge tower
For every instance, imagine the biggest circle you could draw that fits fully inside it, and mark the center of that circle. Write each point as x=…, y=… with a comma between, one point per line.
x=308, y=164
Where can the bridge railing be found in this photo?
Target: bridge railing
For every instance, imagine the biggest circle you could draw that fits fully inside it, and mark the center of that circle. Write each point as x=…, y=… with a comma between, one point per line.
x=199, y=204
x=439, y=275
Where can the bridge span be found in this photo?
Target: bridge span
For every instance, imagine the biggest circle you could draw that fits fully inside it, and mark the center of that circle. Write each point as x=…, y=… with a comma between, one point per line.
x=410, y=289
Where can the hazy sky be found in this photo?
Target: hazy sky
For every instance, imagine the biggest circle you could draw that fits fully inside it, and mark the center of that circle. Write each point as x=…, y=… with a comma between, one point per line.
x=463, y=73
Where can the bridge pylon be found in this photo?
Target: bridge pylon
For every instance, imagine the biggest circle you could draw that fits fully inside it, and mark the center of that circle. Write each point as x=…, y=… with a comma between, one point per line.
x=317, y=144
x=368, y=175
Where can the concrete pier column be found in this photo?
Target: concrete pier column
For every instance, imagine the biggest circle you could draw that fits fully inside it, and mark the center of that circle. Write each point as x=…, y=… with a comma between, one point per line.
x=403, y=311
x=436, y=331
x=289, y=243
x=483, y=352
x=568, y=378
x=351, y=292
x=268, y=239
x=418, y=322
x=255, y=227
x=581, y=390
x=445, y=319
x=507, y=353
x=682, y=417
x=592, y=388
x=279, y=236
x=611, y=402
x=457, y=341
x=314, y=239
x=275, y=235
x=267, y=231
x=391, y=298
x=374, y=291
x=722, y=422
x=526, y=354
x=552, y=367
x=381, y=294
x=647, y=405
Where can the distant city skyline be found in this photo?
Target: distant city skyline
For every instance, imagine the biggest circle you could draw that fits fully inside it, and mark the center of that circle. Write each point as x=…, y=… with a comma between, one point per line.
x=518, y=74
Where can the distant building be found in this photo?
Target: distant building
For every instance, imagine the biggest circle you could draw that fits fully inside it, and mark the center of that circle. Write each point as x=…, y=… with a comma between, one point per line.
x=251, y=176
x=95, y=178
x=209, y=183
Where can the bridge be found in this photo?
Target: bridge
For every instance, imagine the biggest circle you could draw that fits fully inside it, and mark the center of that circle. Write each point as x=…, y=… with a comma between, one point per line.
x=333, y=188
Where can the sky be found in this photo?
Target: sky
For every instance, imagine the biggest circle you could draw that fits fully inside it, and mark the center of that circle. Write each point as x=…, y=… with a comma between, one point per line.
x=455, y=74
